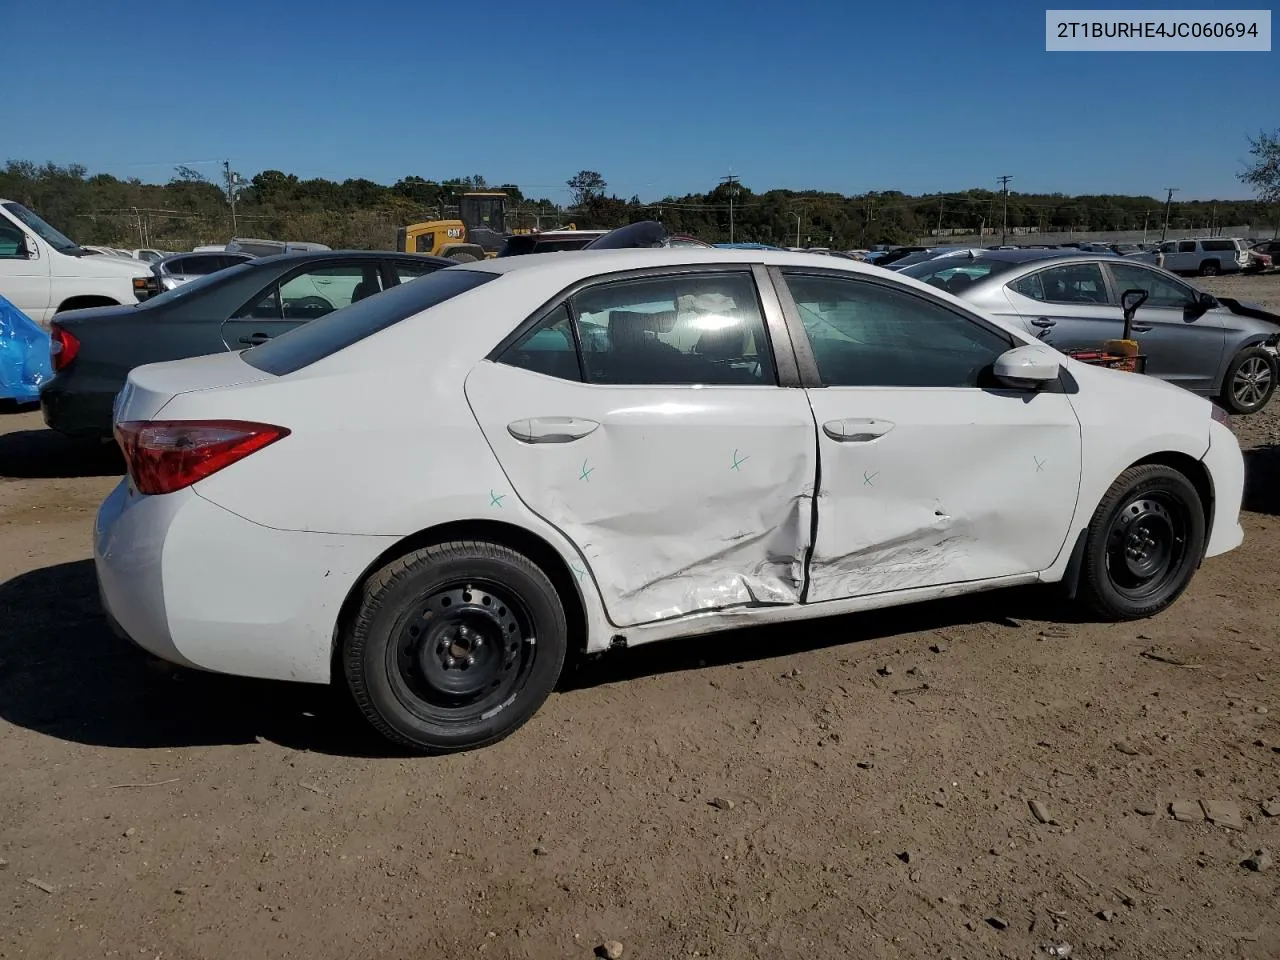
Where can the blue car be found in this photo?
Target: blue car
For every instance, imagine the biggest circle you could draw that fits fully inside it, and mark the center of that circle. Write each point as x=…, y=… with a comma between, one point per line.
x=24, y=355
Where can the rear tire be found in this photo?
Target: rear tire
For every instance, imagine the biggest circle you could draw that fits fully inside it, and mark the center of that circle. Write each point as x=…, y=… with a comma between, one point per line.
x=1144, y=543
x=1250, y=381
x=1210, y=268
x=463, y=257
x=455, y=646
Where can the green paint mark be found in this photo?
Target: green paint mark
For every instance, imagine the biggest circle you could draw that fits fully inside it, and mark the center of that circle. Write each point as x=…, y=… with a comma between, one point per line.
x=586, y=471
x=495, y=499
x=738, y=461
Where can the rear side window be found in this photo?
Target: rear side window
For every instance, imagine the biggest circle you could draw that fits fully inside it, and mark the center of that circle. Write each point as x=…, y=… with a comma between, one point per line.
x=304, y=345
x=1186, y=246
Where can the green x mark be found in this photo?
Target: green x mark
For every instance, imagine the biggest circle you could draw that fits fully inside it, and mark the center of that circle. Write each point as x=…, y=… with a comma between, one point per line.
x=578, y=571
x=738, y=461
x=495, y=499
x=586, y=471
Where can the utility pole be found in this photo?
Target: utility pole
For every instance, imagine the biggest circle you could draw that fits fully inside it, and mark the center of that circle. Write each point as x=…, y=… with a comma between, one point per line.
x=1213, y=220
x=1168, y=204
x=232, y=181
x=732, y=182
x=1004, y=229
x=939, y=220
x=1146, y=216
x=797, y=229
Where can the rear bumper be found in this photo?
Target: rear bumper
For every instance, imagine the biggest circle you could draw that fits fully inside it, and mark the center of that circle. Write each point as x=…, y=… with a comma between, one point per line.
x=1226, y=469
x=77, y=413
x=201, y=587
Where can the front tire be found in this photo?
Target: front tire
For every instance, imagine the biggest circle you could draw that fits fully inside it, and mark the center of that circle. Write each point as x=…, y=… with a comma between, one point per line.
x=463, y=257
x=455, y=646
x=1144, y=543
x=1250, y=381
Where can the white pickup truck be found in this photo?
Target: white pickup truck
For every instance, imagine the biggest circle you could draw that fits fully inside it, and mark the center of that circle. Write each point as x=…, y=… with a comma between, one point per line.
x=43, y=272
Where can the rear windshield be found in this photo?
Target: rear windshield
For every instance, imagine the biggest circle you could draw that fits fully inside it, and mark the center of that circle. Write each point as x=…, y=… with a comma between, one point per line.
x=940, y=270
x=304, y=345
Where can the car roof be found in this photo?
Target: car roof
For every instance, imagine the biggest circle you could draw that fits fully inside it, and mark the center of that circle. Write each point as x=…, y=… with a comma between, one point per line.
x=586, y=263
x=312, y=256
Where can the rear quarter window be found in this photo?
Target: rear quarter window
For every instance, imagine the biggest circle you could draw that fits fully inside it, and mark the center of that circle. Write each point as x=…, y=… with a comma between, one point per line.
x=310, y=342
x=1219, y=245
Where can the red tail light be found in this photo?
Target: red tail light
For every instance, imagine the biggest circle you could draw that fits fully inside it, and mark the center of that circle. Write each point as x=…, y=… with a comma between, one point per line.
x=63, y=347
x=167, y=455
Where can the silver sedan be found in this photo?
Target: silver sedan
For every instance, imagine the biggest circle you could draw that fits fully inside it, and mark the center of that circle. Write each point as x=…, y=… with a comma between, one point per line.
x=1214, y=346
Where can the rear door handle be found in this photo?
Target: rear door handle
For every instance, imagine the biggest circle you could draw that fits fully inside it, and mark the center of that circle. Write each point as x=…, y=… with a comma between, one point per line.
x=854, y=430
x=1141, y=328
x=551, y=429
x=1043, y=322
x=254, y=339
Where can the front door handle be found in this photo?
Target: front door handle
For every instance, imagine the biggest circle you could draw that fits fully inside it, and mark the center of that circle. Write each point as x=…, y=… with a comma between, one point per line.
x=1043, y=322
x=551, y=429
x=254, y=339
x=853, y=430
x=1141, y=328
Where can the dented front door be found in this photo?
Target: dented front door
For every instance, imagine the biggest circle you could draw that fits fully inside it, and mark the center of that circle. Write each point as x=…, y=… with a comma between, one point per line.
x=931, y=473
x=922, y=487
x=678, y=498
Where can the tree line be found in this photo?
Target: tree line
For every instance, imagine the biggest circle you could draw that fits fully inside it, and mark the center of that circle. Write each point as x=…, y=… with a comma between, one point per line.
x=192, y=208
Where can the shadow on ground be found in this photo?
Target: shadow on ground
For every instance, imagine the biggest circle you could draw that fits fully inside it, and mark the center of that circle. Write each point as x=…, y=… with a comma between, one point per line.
x=63, y=672
x=46, y=454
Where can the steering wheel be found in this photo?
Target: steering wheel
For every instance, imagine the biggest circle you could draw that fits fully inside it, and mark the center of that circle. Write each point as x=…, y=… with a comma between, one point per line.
x=311, y=303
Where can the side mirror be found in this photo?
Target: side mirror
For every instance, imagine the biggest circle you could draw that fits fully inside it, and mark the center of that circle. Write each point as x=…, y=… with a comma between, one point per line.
x=1206, y=302
x=28, y=249
x=1028, y=367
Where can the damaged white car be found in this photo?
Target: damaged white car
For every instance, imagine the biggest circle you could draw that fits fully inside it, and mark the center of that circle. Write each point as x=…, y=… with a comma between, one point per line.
x=606, y=448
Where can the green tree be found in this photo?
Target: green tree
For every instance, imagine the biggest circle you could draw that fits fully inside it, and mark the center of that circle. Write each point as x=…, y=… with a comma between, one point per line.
x=586, y=186
x=1263, y=174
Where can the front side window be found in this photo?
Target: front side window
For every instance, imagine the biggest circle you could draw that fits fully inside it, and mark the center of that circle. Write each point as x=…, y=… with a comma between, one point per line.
x=309, y=343
x=313, y=293
x=1162, y=291
x=701, y=328
x=11, y=241
x=1070, y=283
x=866, y=334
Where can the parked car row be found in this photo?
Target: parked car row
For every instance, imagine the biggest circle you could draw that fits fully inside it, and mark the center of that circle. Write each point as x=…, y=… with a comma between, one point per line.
x=1214, y=346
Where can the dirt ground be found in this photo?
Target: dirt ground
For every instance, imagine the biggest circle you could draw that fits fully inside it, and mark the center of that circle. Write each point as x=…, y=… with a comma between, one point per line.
x=871, y=776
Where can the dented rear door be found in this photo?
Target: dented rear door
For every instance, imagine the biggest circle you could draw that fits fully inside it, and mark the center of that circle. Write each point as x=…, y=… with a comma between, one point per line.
x=679, y=497
x=930, y=474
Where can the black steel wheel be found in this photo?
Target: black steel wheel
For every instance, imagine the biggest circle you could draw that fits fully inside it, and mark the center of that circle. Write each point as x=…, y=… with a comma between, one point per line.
x=1250, y=381
x=1144, y=543
x=1209, y=268
x=455, y=646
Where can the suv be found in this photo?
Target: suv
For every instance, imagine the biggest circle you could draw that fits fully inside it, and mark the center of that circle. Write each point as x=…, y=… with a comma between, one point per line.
x=1208, y=257
x=43, y=272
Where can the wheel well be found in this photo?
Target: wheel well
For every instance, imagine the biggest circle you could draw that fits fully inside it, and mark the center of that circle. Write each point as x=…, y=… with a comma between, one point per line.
x=81, y=303
x=517, y=538
x=1195, y=471
x=1189, y=467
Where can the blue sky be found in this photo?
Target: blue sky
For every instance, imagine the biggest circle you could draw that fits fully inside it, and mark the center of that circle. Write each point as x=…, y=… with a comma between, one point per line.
x=661, y=97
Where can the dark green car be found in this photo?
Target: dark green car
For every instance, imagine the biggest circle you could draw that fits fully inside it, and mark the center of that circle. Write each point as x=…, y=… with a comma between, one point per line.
x=94, y=349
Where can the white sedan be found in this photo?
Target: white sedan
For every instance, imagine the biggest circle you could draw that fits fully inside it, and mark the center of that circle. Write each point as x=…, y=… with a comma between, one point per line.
x=439, y=492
